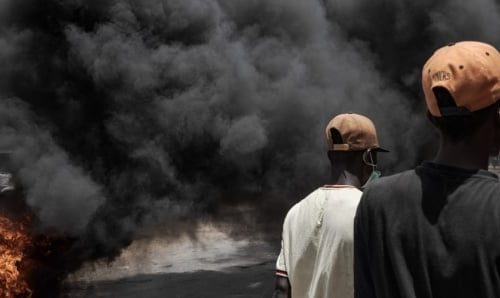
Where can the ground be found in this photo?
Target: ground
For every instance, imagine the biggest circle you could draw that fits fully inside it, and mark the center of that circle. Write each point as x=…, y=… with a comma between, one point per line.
x=237, y=282
x=213, y=265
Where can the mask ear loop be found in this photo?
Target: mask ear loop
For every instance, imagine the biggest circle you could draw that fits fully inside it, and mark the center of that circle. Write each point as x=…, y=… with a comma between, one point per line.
x=368, y=154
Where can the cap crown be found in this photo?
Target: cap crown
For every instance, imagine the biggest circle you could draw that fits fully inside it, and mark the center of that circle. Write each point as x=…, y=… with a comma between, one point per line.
x=469, y=70
x=357, y=132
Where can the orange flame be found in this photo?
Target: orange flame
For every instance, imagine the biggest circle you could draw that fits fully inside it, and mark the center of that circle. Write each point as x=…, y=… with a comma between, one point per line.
x=15, y=242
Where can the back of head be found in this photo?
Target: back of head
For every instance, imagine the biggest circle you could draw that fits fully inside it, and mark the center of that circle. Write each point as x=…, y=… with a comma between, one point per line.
x=461, y=83
x=461, y=128
x=349, y=137
x=351, y=132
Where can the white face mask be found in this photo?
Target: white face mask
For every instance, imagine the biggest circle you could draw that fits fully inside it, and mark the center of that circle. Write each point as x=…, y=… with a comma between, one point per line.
x=368, y=159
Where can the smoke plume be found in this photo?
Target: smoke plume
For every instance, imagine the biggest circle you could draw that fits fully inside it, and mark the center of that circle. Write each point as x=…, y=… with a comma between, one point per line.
x=123, y=116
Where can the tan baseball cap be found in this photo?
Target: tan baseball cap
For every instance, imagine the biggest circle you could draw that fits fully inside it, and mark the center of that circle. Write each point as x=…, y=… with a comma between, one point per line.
x=356, y=131
x=469, y=71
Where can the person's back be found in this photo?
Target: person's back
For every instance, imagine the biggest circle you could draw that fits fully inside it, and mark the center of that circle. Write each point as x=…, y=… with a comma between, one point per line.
x=435, y=231
x=316, y=258
x=318, y=234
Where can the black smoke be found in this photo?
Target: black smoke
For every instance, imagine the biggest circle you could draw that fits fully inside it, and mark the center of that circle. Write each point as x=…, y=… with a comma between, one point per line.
x=122, y=116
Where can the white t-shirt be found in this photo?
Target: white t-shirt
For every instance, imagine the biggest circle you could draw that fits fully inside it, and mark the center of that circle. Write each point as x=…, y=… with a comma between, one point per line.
x=317, y=243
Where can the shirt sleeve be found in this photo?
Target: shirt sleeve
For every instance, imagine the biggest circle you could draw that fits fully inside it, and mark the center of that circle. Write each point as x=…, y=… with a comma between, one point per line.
x=280, y=264
x=281, y=268
x=363, y=282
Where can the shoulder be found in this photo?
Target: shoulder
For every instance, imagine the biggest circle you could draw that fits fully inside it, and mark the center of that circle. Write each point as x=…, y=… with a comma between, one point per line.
x=405, y=176
x=343, y=197
x=313, y=202
x=305, y=202
x=399, y=181
x=389, y=187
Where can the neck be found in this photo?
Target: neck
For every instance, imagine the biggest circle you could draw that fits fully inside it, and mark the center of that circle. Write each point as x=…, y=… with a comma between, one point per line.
x=344, y=177
x=464, y=154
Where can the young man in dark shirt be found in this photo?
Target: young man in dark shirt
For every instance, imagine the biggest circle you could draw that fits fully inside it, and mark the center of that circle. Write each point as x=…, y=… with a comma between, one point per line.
x=435, y=231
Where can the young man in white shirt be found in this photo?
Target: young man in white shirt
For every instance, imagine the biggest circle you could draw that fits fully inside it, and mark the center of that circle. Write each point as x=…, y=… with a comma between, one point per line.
x=316, y=258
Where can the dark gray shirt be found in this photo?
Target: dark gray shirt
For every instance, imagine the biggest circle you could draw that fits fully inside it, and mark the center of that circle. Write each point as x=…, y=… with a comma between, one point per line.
x=429, y=232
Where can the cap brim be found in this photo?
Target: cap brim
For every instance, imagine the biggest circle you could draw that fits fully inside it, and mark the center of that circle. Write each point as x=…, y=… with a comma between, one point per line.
x=380, y=150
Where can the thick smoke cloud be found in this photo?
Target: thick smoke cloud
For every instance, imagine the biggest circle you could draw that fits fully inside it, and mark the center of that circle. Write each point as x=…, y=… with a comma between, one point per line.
x=59, y=192
x=130, y=115
x=405, y=33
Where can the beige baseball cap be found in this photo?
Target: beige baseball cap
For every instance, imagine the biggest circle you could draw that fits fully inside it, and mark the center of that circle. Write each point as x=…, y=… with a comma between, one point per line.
x=469, y=71
x=356, y=131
